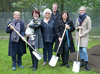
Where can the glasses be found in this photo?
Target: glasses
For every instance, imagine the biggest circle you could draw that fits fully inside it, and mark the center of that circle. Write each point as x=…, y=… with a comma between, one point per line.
x=81, y=10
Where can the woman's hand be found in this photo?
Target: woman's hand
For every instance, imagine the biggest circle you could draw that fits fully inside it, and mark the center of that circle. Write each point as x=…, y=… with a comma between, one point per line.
x=11, y=27
x=79, y=27
x=23, y=38
x=67, y=27
x=27, y=26
x=80, y=35
x=60, y=39
x=27, y=35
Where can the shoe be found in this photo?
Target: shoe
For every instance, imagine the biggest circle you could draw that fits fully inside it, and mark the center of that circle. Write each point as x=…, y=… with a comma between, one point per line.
x=67, y=65
x=82, y=63
x=62, y=64
x=20, y=66
x=44, y=63
x=59, y=59
x=31, y=66
x=14, y=68
x=87, y=66
x=34, y=69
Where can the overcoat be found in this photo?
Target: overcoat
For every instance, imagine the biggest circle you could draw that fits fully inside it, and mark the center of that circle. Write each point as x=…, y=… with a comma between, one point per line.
x=21, y=49
x=86, y=28
x=60, y=29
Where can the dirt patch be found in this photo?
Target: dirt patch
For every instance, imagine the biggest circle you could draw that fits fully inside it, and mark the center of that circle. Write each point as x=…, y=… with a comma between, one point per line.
x=94, y=58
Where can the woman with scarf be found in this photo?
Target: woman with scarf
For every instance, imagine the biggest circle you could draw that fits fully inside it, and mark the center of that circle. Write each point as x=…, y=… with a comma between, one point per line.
x=16, y=44
x=83, y=24
x=35, y=39
x=67, y=42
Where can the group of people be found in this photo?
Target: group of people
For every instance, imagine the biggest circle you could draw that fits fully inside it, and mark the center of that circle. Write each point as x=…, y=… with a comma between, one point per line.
x=46, y=32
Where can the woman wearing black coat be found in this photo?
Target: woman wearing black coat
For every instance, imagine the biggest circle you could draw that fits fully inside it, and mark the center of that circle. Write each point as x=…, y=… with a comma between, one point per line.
x=67, y=42
x=16, y=44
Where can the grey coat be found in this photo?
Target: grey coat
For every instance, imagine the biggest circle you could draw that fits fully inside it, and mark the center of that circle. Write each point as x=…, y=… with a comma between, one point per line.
x=38, y=38
x=86, y=27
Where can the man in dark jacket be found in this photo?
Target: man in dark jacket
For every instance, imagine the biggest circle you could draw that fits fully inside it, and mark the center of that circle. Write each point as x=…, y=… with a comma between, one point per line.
x=55, y=16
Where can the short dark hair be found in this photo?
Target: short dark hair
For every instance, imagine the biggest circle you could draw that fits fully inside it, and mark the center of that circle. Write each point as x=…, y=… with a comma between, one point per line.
x=36, y=11
x=66, y=13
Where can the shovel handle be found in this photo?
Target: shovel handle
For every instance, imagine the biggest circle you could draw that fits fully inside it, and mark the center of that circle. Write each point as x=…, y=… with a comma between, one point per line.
x=21, y=36
x=78, y=45
x=61, y=41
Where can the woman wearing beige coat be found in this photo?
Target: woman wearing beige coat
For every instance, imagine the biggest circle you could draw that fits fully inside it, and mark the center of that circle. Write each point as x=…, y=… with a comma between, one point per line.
x=83, y=24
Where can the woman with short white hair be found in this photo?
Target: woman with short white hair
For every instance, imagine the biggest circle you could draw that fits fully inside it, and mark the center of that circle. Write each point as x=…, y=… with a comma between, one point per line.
x=83, y=24
x=16, y=44
x=48, y=35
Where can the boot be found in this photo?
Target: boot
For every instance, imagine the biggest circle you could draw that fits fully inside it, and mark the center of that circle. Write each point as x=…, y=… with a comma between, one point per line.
x=87, y=66
x=82, y=63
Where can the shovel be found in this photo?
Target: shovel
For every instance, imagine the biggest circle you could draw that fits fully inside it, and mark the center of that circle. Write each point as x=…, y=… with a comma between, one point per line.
x=76, y=64
x=54, y=58
x=37, y=54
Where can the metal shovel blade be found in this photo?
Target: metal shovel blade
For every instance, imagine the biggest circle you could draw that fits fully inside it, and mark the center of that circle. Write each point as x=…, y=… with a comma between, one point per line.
x=76, y=66
x=37, y=54
x=53, y=61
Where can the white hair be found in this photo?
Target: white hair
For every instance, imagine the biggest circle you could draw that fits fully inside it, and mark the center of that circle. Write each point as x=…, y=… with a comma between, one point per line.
x=83, y=8
x=46, y=10
x=16, y=12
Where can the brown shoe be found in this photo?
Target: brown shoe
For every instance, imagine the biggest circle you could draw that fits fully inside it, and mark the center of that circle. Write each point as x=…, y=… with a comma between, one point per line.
x=44, y=63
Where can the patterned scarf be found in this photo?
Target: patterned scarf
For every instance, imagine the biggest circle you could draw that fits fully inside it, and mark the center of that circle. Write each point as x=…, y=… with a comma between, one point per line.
x=16, y=25
x=81, y=18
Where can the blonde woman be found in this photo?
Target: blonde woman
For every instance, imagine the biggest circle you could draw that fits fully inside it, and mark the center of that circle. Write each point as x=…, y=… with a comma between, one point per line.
x=16, y=45
x=83, y=24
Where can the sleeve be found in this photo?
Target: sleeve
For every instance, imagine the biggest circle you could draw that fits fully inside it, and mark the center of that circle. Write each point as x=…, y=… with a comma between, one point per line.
x=8, y=30
x=88, y=27
x=72, y=28
x=22, y=29
x=76, y=26
x=58, y=30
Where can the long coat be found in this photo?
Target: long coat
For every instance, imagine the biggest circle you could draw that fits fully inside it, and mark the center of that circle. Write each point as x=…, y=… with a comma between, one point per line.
x=60, y=30
x=12, y=50
x=86, y=27
x=38, y=38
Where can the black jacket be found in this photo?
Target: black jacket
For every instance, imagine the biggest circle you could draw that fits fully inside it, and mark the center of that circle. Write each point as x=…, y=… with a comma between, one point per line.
x=60, y=29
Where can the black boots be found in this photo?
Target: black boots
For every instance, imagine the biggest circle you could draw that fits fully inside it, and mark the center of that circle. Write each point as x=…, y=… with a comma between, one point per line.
x=86, y=65
x=82, y=63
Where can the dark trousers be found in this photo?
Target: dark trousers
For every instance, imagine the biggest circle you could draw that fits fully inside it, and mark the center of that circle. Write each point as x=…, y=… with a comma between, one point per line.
x=65, y=55
x=47, y=50
x=19, y=60
x=34, y=59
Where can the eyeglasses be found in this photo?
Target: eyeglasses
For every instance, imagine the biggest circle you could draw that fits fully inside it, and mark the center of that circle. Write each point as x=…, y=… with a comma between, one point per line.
x=81, y=10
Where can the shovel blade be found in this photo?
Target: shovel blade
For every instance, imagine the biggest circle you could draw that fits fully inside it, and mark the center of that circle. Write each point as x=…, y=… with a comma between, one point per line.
x=53, y=61
x=76, y=66
x=38, y=55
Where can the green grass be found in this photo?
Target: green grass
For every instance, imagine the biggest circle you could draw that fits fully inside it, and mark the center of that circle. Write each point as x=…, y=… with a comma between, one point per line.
x=6, y=63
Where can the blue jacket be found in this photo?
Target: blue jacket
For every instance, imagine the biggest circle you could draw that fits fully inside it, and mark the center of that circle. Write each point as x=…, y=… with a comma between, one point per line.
x=48, y=31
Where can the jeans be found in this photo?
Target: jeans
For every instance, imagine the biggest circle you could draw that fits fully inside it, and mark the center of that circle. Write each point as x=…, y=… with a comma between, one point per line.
x=19, y=61
x=47, y=50
x=83, y=53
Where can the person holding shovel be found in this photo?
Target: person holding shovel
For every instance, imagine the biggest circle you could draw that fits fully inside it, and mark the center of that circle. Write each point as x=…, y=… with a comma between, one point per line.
x=35, y=37
x=67, y=42
x=83, y=24
x=16, y=44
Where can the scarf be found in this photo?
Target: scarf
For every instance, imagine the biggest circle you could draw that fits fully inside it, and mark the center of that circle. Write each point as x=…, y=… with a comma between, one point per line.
x=16, y=25
x=81, y=18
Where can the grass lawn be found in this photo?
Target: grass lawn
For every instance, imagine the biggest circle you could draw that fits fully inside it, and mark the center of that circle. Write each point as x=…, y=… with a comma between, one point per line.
x=6, y=63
